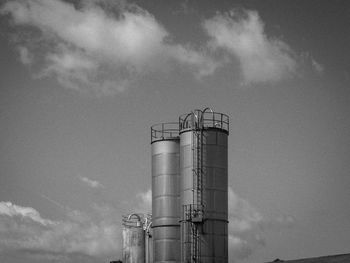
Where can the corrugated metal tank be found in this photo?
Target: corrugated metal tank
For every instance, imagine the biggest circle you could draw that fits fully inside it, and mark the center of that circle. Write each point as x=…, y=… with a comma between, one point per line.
x=133, y=239
x=165, y=193
x=207, y=211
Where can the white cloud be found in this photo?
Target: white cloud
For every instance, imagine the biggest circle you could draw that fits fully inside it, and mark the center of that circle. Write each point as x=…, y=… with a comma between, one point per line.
x=12, y=210
x=91, y=183
x=193, y=59
x=317, y=66
x=23, y=229
x=144, y=202
x=262, y=59
x=25, y=56
x=309, y=65
x=247, y=226
x=98, y=234
x=108, y=46
x=88, y=48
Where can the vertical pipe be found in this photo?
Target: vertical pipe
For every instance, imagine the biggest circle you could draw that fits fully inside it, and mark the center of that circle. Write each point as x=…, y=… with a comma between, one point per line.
x=148, y=239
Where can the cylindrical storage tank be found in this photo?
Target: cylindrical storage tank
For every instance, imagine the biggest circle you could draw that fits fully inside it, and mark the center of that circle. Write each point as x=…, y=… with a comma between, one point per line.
x=204, y=187
x=133, y=239
x=165, y=193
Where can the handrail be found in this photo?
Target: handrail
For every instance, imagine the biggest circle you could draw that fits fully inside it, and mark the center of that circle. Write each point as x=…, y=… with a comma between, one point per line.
x=135, y=215
x=132, y=220
x=196, y=119
x=165, y=130
x=204, y=119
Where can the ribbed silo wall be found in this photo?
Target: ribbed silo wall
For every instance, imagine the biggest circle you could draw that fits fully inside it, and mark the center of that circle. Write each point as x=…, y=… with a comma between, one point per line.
x=133, y=243
x=213, y=244
x=165, y=200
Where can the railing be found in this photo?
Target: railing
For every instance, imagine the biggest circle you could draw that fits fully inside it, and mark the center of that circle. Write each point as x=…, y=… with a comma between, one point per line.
x=132, y=220
x=193, y=213
x=199, y=119
x=162, y=131
x=191, y=242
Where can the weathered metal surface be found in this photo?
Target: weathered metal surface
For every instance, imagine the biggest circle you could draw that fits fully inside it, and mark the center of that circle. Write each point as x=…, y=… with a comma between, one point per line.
x=165, y=200
x=133, y=240
x=212, y=224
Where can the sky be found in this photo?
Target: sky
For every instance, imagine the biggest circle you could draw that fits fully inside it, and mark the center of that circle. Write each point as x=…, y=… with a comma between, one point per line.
x=82, y=82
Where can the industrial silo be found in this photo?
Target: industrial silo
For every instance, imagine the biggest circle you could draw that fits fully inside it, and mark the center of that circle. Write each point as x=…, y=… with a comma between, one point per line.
x=203, y=186
x=165, y=192
x=133, y=239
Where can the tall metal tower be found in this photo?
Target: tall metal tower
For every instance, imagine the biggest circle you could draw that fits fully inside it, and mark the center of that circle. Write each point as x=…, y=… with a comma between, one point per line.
x=203, y=186
x=165, y=143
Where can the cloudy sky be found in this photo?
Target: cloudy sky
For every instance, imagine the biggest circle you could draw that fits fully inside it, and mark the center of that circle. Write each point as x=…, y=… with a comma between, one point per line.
x=82, y=82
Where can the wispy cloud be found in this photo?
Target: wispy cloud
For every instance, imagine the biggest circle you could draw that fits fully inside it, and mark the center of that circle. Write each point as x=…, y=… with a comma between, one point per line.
x=88, y=48
x=248, y=226
x=107, y=46
x=98, y=235
x=53, y=202
x=317, y=66
x=309, y=65
x=23, y=229
x=144, y=202
x=245, y=227
x=261, y=58
x=91, y=183
x=25, y=56
x=12, y=210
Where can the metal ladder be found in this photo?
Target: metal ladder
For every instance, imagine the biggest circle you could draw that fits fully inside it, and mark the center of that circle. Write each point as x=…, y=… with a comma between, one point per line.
x=197, y=171
x=196, y=209
x=193, y=214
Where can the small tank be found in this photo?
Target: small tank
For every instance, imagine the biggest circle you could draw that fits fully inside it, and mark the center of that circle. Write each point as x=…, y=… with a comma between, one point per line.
x=133, y=239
